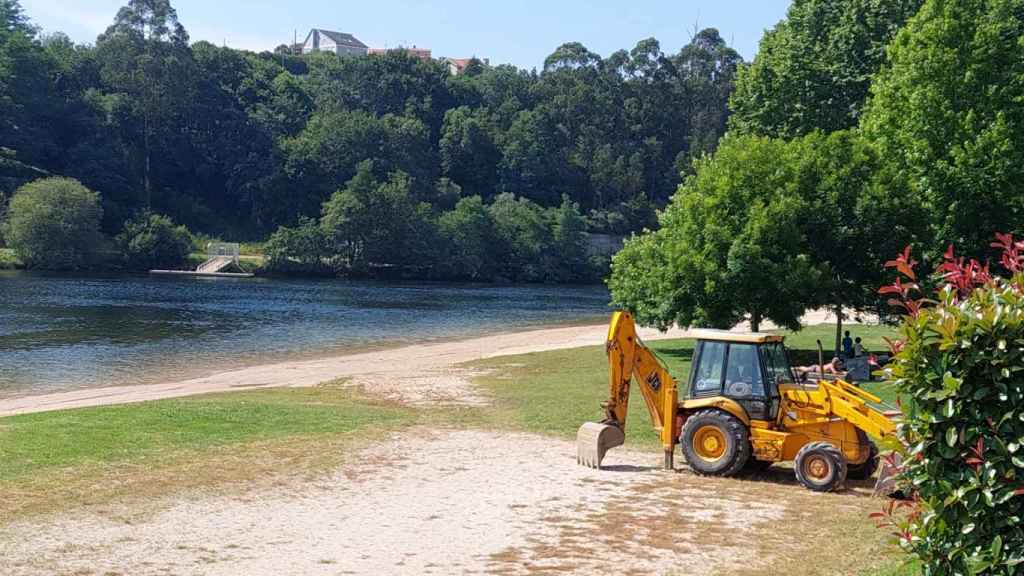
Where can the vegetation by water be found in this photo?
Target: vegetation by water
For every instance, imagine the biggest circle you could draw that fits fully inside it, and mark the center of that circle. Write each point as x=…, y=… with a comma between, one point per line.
x=237, y=144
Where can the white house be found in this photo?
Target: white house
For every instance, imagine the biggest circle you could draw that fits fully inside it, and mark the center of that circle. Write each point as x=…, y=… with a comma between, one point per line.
x=337, y=42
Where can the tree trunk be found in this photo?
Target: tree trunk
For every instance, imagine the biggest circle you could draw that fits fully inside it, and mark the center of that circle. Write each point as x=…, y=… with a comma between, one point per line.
x=839, y=328
x=145, y=170
x=755, y=321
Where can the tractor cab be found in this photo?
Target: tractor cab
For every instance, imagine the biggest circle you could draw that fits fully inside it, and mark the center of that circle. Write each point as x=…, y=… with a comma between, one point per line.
x=744, y=367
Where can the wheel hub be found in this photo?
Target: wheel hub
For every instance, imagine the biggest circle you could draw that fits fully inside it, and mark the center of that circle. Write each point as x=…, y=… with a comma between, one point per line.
x=709, y=443
x=817, y=468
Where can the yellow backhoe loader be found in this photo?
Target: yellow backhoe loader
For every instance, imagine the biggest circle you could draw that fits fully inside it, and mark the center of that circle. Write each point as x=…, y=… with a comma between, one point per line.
x=743, y=410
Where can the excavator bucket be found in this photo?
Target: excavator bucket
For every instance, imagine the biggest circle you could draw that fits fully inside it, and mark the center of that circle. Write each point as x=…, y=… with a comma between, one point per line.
x=886, y=483
x=593, y=440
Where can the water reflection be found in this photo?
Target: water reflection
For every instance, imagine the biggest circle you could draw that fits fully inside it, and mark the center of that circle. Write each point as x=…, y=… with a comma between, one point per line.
x=65, y=332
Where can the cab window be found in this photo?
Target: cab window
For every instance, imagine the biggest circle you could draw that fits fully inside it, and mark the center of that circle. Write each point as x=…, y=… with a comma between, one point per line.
x=743, y=372
x=777, y=363
x=708, y=377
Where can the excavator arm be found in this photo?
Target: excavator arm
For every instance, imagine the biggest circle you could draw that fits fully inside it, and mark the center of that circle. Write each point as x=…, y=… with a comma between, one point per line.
x=629, y=360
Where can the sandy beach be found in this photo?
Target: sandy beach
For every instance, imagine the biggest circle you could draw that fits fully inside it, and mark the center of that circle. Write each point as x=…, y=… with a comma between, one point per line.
x=418, y=374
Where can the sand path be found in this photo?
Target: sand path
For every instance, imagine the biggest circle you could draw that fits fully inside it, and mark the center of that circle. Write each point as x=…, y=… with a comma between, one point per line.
x=427, y=502
x=420, y=374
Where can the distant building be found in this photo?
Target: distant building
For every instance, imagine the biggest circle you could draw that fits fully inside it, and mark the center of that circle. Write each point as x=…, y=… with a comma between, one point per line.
x=457, y=66
x=421, y=53
x=339, y=43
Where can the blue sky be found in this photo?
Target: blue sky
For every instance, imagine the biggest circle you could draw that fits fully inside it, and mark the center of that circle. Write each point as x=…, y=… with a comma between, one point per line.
x=521, y=33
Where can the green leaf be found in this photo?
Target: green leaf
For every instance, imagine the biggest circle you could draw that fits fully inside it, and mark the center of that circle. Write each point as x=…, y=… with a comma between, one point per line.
x=951, y=436
x=1018, y=461
x=997, y=548
x=967, y=529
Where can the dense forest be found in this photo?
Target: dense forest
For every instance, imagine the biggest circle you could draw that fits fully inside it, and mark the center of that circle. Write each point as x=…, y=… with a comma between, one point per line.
x=236, y=144
x=861, y=128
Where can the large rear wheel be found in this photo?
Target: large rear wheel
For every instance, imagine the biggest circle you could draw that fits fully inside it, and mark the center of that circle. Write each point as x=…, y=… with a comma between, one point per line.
x=715, y=443
x=821, y=467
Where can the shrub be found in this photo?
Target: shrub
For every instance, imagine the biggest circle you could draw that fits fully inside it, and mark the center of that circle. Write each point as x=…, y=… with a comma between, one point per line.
x=53, y=223
x=303, y=249
x=961, y=360
x=151, y=241
x=469, y=236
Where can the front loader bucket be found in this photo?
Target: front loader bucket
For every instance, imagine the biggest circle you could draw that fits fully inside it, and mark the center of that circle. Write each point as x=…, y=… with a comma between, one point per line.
x=886, y=483
x=593, y=440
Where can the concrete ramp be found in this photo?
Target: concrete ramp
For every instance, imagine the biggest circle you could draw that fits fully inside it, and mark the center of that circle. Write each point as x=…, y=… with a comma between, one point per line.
x=215, y=264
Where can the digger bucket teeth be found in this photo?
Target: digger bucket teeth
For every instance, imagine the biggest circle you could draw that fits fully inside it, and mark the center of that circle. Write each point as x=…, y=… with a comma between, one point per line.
x=593, y=440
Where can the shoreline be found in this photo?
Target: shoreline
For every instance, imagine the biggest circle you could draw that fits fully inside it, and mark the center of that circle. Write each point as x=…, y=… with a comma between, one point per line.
x=439, y=359
x=430, y=369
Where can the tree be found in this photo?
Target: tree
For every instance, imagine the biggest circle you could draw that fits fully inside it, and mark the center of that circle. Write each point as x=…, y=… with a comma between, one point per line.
x=522, y=235
x=858, y=212
x=730, y=246
x=373, y=223
x=145, y=55
x=152, y=241
x=568, y=244
x=469, y=236
x=947, y=113
x=303, y=249
x=53, y=223
x=469, y=155
x=814, y=69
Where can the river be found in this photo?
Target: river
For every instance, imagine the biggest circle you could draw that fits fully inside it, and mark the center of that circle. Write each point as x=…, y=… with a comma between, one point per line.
x=61, y=332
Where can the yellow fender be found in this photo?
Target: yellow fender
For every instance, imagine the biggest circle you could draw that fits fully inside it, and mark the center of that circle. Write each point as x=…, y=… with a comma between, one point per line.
x=719, y=402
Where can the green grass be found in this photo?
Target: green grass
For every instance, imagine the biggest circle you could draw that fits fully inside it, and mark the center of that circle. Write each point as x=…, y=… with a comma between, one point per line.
x=47, y=458
x=806, y=340
x=553, y=392
x=8, y=261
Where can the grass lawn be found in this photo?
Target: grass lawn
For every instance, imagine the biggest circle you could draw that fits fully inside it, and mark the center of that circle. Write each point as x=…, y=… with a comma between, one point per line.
x=87, y=456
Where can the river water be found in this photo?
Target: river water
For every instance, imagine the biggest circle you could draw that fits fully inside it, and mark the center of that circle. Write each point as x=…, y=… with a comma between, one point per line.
x=60, y=332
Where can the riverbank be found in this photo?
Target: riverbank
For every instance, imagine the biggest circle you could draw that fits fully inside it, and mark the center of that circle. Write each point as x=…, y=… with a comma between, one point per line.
x=415, y=374
x=412, y=374
x=335, y=478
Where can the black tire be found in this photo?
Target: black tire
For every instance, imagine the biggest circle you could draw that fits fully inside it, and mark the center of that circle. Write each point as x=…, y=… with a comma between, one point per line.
x=735, y=437
x=820, y=467
x=868, y=468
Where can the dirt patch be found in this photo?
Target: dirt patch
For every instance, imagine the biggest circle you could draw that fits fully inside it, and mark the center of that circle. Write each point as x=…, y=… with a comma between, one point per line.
x=427, y=502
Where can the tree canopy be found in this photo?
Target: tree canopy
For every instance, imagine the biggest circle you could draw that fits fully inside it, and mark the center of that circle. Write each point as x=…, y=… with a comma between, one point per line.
x=813, y=70
x=53, y=223
x=947, y=112
x=236, y=143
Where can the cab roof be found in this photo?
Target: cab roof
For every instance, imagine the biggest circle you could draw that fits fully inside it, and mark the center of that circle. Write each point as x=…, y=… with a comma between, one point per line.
x=727, y=336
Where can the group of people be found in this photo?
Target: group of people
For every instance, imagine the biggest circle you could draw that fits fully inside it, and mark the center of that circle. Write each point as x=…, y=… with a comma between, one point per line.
x=852, y=348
